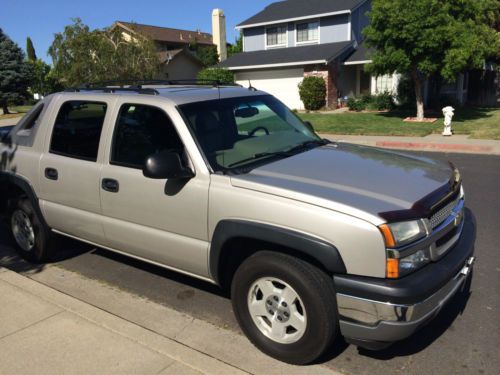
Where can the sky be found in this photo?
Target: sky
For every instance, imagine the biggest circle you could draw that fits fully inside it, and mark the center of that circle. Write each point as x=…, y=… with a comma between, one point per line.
x=40, y=20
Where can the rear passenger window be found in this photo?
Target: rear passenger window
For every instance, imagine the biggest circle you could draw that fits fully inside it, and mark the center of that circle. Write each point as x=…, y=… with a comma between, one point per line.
x=77, y=130
x=140, y=132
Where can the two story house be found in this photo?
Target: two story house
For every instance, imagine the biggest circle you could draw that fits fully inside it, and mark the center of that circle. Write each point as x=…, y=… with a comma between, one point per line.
x=292, y=39
x=177, y=61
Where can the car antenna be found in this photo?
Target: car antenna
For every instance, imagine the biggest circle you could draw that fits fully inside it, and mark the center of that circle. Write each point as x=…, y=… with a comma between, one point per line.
x=250, y=87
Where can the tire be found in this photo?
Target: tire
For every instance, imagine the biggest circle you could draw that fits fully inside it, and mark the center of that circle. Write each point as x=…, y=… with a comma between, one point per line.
x=269, y=279
x=32, y=238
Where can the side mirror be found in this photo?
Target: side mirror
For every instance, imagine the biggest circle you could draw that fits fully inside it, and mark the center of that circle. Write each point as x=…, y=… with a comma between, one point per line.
x=309, y=126
x=166, y=165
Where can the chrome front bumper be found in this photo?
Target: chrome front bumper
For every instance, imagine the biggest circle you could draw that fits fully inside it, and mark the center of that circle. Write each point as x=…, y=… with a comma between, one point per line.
x=367, y=320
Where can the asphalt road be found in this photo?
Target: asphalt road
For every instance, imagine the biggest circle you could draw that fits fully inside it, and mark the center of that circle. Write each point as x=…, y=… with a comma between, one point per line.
x=463, y=339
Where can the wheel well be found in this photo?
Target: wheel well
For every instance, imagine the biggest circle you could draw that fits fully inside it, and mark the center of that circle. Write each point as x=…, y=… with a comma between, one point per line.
x=236, y=250
x=8, y=193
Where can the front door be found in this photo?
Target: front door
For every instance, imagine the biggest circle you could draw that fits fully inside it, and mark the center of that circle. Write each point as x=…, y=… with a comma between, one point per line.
x=163, y=221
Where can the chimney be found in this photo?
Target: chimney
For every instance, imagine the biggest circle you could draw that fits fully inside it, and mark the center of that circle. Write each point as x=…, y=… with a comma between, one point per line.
x=219, y=33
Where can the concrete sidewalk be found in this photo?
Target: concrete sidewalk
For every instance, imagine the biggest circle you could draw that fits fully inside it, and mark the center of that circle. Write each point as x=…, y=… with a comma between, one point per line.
x=433, y=142
x=55, y=321
x=43, y=331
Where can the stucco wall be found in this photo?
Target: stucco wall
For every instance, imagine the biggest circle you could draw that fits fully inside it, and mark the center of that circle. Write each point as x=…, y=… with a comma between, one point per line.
x=359, y=21
x=254, y=39
x=334, y=29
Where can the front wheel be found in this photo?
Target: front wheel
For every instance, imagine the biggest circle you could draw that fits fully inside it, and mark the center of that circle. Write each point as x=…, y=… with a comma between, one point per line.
x=285, y=306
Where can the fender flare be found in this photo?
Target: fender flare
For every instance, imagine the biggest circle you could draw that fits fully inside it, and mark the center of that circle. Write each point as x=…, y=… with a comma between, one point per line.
x=10, y=179
x=323, y=252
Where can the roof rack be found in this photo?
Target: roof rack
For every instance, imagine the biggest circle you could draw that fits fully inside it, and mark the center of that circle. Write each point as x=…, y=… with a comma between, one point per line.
x=137, y=85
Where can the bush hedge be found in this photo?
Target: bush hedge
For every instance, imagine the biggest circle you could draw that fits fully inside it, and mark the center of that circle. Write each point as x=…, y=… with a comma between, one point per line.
x=216, y=74
x=380, y=102
x=312, y=92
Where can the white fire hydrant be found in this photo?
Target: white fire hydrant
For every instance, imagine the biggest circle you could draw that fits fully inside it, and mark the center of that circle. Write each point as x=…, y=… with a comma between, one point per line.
x=448, y=113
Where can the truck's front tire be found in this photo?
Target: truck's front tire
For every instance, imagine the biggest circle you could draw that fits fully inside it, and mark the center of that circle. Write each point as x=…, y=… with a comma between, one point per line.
x=285, y=306
x=33, y=239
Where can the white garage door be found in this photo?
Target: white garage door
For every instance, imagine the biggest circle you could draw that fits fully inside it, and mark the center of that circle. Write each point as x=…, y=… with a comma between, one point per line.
x=282, y=83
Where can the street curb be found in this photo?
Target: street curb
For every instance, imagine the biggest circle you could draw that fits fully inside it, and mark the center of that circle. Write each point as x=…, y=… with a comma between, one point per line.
x=448, y=147
x=466, y=146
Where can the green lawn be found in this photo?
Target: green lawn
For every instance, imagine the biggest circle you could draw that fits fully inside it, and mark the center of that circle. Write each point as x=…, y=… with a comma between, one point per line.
x=477, y=122
x=17, y=111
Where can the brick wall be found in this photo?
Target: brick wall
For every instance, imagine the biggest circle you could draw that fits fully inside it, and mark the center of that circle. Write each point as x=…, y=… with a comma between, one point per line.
x=329, y=74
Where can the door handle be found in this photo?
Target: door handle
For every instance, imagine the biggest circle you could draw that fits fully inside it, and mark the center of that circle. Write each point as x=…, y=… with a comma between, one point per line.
x=110, y=185
x=51, y=174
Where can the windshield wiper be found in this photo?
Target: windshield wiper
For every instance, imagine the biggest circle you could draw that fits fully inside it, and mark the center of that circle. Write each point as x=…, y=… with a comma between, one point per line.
x=261, y=155
x=284, y=153
x=306, y=144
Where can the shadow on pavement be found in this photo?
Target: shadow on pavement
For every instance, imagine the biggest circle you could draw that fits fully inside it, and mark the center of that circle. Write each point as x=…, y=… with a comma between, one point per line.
x=163, y=272
x=11, y=260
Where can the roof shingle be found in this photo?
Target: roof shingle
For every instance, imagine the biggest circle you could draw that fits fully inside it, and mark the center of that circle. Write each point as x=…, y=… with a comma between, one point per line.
x=165, y=34
x=318, y=53
x=290, y=9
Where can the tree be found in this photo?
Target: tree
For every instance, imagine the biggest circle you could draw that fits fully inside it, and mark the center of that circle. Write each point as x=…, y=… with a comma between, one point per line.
x=81, y=55
x=206, y=54
x=30, y=50
x=237, y=47
x=44, y=81
x=15, y=73
x=216, y=74
x=431, y=37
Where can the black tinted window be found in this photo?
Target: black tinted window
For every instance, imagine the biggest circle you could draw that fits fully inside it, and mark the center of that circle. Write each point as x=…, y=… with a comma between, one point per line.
x=142, y=131
x=77, y=130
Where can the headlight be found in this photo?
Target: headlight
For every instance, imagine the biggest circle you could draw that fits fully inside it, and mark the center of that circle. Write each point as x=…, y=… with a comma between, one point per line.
x=403, y=233
x=397, y=235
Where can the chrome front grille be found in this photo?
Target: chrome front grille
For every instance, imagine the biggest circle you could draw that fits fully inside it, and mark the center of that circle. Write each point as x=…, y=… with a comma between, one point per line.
x=443, y=213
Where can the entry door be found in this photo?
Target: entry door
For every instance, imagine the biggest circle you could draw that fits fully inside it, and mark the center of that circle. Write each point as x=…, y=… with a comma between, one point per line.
x=70, y=170
x=163, y=221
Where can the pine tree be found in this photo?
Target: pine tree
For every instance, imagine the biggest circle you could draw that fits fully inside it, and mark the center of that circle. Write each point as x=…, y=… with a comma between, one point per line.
x=30, y=50
x=15, y=73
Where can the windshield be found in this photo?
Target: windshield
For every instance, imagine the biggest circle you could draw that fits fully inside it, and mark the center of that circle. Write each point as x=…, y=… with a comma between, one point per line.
x=238, y=132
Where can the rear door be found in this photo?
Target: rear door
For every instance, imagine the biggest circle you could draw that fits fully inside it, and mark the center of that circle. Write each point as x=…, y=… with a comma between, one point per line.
x=163, y=221
x=70, y=167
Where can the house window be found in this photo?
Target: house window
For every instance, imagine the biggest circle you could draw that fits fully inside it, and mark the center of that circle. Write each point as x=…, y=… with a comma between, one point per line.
x=276, y=36
x=384, y=83
x=307, y=32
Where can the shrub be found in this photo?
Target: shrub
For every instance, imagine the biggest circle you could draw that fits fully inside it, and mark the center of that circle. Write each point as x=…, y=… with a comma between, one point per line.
x=356, y=104
x=380, y=102
x=312, y=92
x=216, y=74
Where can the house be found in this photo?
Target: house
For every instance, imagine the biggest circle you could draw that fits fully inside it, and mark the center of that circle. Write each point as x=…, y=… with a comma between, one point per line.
x=293, y=39
x=173, y=45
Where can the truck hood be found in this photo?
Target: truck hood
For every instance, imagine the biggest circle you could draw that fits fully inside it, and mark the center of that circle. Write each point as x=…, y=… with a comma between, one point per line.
x=357, y=180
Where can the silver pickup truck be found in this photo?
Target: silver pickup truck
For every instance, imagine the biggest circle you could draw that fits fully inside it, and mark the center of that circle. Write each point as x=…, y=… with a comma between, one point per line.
x=315, y=240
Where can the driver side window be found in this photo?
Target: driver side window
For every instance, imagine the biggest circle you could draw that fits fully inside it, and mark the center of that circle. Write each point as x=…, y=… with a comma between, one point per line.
x=140, y=132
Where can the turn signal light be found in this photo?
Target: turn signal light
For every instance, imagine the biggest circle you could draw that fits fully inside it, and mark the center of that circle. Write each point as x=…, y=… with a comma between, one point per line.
x=392, y=268
x=388, y=237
